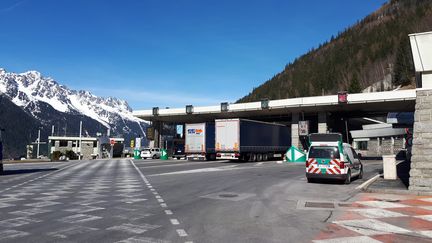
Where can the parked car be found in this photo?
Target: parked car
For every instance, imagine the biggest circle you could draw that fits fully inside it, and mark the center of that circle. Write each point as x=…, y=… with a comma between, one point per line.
x=330, y=158
x=151, y=153
x=179, y=152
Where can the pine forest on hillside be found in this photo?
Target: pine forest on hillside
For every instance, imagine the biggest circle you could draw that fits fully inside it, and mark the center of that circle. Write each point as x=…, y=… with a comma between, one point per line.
x=366, y=53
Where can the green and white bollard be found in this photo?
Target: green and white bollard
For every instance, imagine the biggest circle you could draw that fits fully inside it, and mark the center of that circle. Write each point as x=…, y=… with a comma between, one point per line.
x=295, y=155
x=164, y=154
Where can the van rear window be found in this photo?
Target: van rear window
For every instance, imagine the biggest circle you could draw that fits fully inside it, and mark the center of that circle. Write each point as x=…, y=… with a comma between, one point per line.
x=324, y=152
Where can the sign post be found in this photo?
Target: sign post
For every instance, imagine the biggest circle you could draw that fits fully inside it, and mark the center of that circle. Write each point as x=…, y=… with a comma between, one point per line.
x=303, y=128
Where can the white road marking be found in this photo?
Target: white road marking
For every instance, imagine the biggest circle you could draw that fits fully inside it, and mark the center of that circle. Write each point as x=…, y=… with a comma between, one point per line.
x=42, y=204
x=11, y=234
x=16, y=222
x=371, y=227
x=425, y=217
x=30, y=211
x=355, y=239
x=135, y=229
x=37, y=178
x=377, y=213
x=71, y=231
x=427, y=207
x=382, y=204
x=174, y=221
x=427, y=233
x=79, y=218
x=222, y=168
x=182, y=233
x=142, y=239
x=181, y=164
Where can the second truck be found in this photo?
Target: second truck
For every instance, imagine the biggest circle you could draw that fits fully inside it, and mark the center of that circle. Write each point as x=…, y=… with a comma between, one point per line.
x=248, y=140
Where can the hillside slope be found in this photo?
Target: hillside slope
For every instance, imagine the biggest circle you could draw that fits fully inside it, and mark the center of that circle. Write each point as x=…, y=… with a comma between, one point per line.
x=18, y=126
x=372, y=50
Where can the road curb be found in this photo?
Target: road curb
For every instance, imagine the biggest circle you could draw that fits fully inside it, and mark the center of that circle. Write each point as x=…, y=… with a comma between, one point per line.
x=396, y=191
x=367, y=183
x=365, y=187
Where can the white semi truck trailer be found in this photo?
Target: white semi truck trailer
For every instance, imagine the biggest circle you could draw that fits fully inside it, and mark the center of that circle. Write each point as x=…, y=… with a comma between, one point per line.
x=200, y=141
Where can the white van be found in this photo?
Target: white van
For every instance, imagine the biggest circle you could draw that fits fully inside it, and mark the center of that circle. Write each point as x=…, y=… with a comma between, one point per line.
x=329, y=158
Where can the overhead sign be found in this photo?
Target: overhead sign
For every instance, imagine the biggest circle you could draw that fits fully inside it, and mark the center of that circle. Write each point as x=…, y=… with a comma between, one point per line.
x=303, y=128
x=132, y=143
x=150, y=133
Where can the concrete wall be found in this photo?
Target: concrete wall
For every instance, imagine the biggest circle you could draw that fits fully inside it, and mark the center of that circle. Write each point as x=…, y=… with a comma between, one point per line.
x=421, y=160
x=87, y=149
x=377, y=147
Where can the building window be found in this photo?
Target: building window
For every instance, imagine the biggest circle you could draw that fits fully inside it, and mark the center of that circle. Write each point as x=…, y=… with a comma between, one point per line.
x=95, y=144
x=362, y=145
x=63, y=143
x=52, y=143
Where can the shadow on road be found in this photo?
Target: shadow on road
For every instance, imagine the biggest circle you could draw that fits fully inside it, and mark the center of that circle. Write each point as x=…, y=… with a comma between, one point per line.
x=403, y=170
x=25, y=171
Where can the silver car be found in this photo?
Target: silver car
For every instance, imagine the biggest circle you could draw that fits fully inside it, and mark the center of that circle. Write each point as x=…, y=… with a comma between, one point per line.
x=151, y=153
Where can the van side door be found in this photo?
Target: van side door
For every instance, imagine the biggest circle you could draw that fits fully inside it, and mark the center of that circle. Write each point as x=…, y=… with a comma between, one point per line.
x=356, y=159
x=348, y=154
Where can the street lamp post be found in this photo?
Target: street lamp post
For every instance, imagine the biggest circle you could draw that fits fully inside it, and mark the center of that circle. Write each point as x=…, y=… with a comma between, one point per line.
x=80, y=140
x=38, y=143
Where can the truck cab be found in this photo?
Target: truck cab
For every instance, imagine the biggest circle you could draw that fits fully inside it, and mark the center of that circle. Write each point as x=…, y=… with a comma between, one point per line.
x=329, y=158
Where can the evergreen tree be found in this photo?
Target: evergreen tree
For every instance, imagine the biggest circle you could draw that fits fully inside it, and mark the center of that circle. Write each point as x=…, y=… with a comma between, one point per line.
x=404, y=67
x=354, y=86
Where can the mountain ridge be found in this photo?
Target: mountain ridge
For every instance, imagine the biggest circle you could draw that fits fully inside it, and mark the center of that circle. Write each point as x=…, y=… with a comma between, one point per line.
x=52, y=103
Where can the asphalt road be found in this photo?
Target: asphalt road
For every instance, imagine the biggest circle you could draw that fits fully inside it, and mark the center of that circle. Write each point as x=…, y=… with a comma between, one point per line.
x=165, y=201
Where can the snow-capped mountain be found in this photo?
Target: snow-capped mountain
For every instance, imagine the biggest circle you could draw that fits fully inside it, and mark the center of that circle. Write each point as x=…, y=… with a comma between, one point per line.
x=42, y=96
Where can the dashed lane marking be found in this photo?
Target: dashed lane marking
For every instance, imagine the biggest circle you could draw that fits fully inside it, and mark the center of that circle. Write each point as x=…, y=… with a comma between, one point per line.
x=174, y=221
x=180, y=232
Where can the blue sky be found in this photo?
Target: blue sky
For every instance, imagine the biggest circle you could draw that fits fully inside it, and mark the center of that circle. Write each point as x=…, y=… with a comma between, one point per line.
x=167, y=53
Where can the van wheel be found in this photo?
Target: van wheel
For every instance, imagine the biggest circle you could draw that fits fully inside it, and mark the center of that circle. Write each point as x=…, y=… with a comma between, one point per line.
x=154, y=157
x=348, y=178
x=360, y=176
